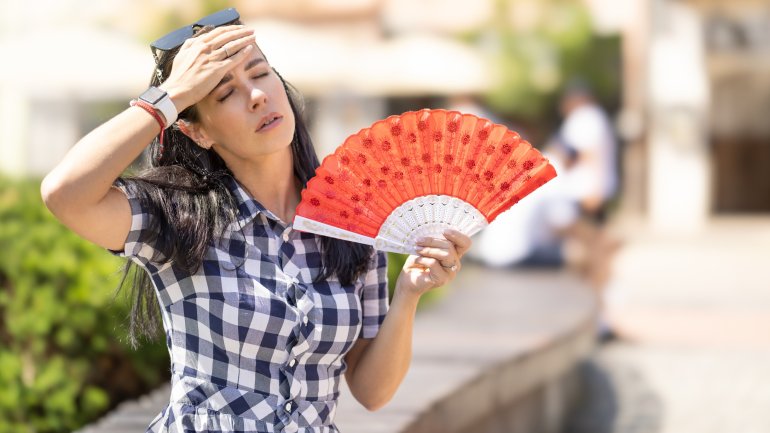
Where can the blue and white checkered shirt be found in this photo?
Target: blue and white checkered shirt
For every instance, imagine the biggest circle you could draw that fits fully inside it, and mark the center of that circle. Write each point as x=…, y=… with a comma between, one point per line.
x=256, y=347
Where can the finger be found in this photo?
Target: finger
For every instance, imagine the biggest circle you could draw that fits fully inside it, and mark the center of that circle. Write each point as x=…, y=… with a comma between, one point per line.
x=223, y=39
x=222, y=30
x=447, y=254
x=228, y=50
x=434, y=242
x=434, y=265
x=437, y=275
x=437, y=253
x=426, y=261
x=240, y=56
x=461, y=241
x=430, y=277
x=437, y=280
x=232, y=48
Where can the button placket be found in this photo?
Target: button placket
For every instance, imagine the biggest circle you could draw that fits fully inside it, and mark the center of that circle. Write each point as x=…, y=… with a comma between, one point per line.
x=286, y=249
x=291, y=294
x=286, y=233
x=302, y=344
x=288, y=417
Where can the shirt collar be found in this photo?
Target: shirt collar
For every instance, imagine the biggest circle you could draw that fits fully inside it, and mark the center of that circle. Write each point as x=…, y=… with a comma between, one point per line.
x=248, y=207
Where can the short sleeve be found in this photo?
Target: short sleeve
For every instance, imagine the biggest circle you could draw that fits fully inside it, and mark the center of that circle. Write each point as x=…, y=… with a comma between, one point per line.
x=142, y=237
x=374, y=295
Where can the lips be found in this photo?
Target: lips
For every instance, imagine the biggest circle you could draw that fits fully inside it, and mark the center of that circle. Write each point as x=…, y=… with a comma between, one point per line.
x=268, y=120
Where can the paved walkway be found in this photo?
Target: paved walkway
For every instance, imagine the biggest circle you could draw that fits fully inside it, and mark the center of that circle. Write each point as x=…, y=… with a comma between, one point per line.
x=695, y=313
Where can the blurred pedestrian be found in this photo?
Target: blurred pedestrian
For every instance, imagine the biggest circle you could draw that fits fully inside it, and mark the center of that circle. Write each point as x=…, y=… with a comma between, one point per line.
x=588, y=137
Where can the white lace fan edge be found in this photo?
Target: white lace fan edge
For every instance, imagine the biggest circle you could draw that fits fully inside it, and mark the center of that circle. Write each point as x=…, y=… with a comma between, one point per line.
x=425, y=216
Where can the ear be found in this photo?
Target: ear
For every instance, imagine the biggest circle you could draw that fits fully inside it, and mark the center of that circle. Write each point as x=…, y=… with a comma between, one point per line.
x=195, y=133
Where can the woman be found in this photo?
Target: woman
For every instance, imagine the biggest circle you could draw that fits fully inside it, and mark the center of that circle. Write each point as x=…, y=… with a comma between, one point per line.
x=261, y=321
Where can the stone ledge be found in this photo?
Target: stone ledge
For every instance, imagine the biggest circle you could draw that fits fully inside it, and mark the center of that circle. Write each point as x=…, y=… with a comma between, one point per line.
x=499, y=353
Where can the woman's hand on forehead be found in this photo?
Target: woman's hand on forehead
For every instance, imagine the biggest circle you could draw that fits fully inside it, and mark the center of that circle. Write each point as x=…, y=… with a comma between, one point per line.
x=202, y=61
x=220, y=36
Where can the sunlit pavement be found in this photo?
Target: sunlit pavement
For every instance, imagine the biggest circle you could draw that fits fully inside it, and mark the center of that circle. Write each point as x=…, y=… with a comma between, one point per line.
x=694, y=316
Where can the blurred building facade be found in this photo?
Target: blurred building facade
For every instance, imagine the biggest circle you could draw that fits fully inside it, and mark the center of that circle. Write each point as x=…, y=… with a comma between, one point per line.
x=737, y=39
x=696, y=96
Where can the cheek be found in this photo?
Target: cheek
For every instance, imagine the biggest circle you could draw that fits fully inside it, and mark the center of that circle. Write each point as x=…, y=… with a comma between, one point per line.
x=219, y=117
x=289, y=127
x=285, y=107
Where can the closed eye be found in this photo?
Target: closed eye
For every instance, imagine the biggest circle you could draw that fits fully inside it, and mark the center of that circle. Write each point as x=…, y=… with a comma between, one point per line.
x=230, y=92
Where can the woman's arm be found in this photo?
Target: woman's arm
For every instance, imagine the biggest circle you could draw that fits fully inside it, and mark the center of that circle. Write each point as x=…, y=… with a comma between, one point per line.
x=78, y=191
x=377, y=366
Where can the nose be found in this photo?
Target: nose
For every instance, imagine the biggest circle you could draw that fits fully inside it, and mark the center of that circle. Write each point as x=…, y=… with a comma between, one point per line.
x=257, y=97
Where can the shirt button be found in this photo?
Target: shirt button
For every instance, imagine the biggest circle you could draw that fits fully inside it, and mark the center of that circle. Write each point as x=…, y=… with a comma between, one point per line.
x=288, y=407
x=293, y=362
x=304, y=320
x=286, y=234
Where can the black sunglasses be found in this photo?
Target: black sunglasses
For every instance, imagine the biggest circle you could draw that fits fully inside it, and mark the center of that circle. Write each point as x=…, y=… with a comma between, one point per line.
x=176, y=38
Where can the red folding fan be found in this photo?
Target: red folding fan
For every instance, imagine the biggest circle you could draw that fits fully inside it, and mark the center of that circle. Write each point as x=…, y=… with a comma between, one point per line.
x=416, y=175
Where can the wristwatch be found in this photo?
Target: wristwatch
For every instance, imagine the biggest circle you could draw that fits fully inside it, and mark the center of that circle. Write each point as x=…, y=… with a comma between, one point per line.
x=160, y=100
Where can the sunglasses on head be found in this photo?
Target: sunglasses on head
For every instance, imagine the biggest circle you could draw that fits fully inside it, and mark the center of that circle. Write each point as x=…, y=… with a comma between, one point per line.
x=176, y=38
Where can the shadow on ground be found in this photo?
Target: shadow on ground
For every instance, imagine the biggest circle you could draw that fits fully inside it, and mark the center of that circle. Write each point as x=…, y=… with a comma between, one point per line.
x=615, y=398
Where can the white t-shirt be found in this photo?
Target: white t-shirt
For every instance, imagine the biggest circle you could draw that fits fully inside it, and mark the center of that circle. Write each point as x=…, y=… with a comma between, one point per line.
x=532, y=222
x=587, y=129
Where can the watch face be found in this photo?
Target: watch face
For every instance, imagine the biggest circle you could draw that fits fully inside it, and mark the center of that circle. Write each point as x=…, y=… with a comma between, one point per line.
x=153, y=95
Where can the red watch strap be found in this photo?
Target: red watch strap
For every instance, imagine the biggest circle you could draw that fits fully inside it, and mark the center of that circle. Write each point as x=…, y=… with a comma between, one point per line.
x=150, y=109
x=154, y=113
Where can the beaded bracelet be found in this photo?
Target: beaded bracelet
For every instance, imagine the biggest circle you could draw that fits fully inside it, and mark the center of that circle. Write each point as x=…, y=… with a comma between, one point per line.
x=150, y=109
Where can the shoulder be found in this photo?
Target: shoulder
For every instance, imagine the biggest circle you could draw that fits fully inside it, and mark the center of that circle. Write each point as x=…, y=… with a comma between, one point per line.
x=378, y=260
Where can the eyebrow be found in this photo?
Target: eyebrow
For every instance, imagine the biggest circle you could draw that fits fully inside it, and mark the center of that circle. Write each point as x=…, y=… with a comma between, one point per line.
x=227, y=78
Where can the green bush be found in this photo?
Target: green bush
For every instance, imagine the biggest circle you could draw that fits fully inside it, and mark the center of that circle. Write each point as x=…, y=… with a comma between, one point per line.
x=64, y=354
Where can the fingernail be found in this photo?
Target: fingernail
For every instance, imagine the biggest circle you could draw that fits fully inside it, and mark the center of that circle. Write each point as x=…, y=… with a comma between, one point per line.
x=421, y=240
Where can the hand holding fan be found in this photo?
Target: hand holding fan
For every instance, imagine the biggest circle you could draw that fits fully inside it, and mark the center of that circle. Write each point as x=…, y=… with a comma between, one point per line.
x=417, y=174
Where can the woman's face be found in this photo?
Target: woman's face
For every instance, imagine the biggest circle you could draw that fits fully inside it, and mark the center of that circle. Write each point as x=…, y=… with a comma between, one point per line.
x=233, y=115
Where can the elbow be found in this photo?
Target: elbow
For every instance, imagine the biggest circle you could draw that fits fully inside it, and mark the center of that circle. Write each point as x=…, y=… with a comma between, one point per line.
x=371, y=397
x=374, y=406
x=374, y=403
x=57, y=196
x=48, y=190
x=51, y=191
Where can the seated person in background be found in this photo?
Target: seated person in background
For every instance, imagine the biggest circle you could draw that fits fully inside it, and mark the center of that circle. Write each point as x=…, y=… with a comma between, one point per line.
x=532, y=232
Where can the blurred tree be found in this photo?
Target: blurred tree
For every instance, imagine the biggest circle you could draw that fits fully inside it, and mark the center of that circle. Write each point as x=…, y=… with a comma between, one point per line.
x=536, y=47
x=64, y=355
